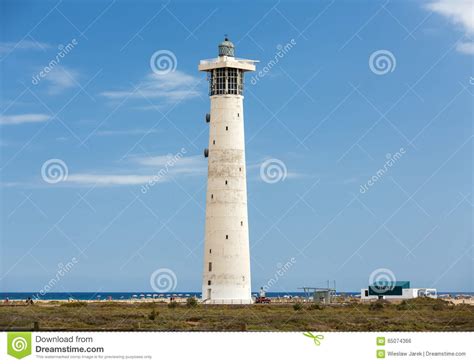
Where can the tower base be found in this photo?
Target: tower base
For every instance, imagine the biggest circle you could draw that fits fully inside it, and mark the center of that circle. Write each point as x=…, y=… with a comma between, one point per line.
x=228, y=301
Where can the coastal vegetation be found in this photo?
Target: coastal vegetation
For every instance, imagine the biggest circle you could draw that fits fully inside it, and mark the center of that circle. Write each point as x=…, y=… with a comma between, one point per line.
x=421, y=314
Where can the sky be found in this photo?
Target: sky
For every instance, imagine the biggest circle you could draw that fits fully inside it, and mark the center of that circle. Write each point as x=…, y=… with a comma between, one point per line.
x=358, y=128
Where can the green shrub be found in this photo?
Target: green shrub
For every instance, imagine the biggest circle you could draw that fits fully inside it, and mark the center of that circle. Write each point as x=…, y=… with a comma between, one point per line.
x=316, y=306
x=403, y=306
x=173, y=304
x=153, y=315
x=191, y=302
x=74, y=304
x=439, y=306
x=242, y=327
x=376, y=306
x=297, y=306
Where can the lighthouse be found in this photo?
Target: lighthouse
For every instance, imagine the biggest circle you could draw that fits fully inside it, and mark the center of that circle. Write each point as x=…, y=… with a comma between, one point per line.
x=226, y=276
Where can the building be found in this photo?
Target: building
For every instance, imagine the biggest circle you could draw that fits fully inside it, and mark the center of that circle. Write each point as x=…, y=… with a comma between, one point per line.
x=320, y=295
x=226, y=277
x=398, y=290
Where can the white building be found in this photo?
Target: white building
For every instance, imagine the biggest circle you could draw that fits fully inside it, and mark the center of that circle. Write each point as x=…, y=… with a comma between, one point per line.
x=226, y=277
x=407, y=293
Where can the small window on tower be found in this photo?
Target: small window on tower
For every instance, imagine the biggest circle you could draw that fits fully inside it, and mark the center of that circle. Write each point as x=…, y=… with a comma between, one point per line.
x=240, y=169
x=214, y=142
x=226, y=182
x=227, y=236
x=238, y=114
x=226, y=128
x=241, y=223
x=208, y=283
x=212, y=196
x=210, y=266
x=210, y=251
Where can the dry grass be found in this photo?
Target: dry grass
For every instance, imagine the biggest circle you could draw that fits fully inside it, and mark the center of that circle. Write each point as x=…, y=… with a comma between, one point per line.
x=413, y=315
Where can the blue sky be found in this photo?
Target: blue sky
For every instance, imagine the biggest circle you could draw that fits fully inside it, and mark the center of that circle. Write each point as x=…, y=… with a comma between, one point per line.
x=321, y=111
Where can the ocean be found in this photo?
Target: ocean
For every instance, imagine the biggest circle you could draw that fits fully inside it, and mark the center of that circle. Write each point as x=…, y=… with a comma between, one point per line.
x=87, y=296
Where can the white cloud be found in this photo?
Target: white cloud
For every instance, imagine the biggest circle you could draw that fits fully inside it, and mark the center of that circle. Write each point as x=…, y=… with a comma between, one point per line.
x=4, y=143
x=61, y=78
x=349, y=180
x=109, y=179
x=163, y=160
x=465, y=47
x=192, y=165
x=156, y=161
x=289, y=174
x=170, y=87
x=148, y=107
x=127, y=132
x=8, y=47
x=461, y=13
x=23, y=119
x=296, y=175
x=159, y=169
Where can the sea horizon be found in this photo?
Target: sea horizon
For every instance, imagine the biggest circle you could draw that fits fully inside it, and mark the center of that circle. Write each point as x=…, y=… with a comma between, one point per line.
x=123, y=295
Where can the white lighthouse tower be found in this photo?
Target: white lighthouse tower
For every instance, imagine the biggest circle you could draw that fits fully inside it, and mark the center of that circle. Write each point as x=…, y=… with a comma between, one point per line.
x=226, y=278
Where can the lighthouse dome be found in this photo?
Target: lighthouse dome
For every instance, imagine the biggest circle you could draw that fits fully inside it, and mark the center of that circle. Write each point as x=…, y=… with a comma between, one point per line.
x=226, y=48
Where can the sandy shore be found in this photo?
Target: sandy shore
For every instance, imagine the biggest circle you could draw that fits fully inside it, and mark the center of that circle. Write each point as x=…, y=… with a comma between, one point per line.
x=468, y=300
x=458, y=301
